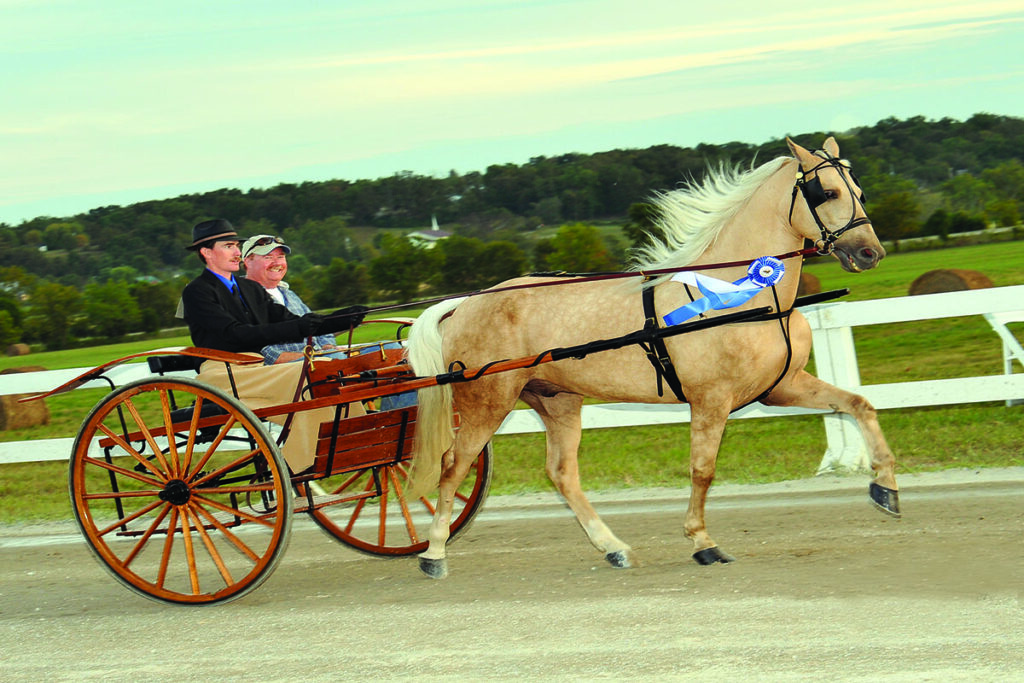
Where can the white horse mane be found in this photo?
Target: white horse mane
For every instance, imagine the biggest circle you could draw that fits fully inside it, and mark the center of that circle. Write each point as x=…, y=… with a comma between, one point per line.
x=692, y=216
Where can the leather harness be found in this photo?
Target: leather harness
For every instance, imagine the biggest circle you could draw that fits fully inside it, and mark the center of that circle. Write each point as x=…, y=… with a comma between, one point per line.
x=665, y=370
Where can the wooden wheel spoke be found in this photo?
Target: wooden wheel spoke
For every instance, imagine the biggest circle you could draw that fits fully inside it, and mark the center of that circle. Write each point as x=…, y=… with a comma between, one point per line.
x=137, y=548
x=225, y=573
x=127, y=448
x=165, y=557
x=241, y=488
x=235, y=464
x=138, y=476
x=190, y=553
x=116, y=495
x=157, y=451
x=359, y=507
x=237, y=542
x=221, y=435
x=132, y=517
x=404, y=505
x=193, y=429
x=423, y=499
x=348, y=482
x=172, y=448
x=265, y=520
x=382, y=512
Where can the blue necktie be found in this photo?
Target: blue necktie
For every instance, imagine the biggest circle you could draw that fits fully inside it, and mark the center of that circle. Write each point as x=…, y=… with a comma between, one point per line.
x=238, y=295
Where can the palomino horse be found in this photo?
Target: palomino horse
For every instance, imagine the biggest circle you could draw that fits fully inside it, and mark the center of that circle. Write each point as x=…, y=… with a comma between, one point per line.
x=731, y=216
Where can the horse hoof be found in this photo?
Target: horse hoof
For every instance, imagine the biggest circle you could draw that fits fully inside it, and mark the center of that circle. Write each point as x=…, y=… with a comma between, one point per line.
x=620, y=559
x=435, y=569
x=712, y=555
x=886, y=500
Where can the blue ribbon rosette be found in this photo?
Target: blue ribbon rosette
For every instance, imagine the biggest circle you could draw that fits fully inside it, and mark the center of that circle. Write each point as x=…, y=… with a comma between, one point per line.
x=765, y=271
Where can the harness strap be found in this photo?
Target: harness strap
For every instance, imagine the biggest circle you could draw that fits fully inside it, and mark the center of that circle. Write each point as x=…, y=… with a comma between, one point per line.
x=783, y=318
x=656, y=351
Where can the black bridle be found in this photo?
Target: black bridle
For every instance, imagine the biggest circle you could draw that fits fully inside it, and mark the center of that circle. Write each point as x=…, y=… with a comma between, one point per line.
x=814, y=195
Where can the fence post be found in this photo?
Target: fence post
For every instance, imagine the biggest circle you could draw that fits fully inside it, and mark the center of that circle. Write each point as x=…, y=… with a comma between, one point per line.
x=835, y=361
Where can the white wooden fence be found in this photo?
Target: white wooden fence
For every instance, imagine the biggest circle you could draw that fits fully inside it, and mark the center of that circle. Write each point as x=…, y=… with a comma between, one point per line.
x=834, y=355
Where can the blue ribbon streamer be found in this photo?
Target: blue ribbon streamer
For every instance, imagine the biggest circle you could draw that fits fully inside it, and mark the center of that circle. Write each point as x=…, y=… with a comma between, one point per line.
x=719, y=294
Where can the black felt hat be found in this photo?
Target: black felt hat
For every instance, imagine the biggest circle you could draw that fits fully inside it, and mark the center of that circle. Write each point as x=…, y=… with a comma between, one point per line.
x=211, y=231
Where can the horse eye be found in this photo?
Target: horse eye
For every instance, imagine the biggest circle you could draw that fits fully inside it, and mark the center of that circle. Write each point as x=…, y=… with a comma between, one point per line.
x=831, y=194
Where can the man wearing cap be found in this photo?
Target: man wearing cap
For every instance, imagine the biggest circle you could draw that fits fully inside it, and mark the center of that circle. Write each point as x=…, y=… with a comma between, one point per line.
x=235, y=314
x=266, y=262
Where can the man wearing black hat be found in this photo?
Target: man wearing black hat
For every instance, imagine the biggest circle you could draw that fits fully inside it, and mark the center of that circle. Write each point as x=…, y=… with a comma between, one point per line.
x=235, y=314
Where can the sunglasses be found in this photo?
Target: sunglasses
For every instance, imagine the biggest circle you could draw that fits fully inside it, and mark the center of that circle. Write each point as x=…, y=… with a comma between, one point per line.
x=262, y=242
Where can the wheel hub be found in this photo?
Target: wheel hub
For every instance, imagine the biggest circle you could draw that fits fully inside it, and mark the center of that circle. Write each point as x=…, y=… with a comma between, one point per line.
x=176, y=492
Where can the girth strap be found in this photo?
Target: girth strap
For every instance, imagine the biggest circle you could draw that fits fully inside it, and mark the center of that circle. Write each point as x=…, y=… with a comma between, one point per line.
x=656, y=351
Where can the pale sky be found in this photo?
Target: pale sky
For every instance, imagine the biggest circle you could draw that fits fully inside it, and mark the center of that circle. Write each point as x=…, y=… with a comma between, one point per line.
x=119, y=101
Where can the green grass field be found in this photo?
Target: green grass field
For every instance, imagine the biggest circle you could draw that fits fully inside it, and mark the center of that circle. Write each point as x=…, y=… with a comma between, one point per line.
x=760, y=450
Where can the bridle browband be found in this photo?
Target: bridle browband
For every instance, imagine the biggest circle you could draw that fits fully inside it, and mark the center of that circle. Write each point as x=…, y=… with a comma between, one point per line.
x=814, y=195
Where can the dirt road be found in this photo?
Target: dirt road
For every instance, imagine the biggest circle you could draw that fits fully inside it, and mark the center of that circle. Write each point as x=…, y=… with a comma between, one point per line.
x=824, y=587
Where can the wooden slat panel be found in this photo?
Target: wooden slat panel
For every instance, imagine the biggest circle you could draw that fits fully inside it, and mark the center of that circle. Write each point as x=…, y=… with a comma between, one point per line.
x=358, y=459
x=376, y=437
x=365, y=441
x=370, y=421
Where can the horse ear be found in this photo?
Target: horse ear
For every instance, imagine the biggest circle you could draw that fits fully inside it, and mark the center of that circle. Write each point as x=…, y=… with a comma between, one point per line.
x=799, y=152
x=831, y=146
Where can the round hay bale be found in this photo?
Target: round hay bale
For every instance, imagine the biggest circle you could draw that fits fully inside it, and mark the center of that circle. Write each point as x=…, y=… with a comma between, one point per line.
x=949, y=280
x=14, y=415
x=809, y=284
x=18, y=349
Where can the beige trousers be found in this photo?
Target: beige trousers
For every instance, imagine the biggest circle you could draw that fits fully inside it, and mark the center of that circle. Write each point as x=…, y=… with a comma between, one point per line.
x=262, y=386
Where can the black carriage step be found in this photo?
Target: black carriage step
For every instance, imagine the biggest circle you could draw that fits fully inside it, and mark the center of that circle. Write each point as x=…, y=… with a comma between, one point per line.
x=209, y=409
x=179, y=363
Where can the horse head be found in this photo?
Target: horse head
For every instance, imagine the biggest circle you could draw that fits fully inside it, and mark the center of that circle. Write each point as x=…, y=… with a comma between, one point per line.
x=833, y=214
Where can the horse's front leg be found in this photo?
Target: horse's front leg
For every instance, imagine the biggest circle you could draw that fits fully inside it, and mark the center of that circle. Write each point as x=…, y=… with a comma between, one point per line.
x=805, y=390
x=706, y=427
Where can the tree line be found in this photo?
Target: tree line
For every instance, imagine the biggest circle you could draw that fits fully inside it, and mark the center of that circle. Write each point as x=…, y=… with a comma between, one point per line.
x=119, y=269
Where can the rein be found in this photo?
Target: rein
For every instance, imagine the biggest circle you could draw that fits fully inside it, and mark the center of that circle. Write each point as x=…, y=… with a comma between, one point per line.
x=813, y=194
x=597, y=277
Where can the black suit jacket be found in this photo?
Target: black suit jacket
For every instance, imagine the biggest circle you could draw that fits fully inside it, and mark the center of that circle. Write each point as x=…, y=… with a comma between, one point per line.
x=217, y=320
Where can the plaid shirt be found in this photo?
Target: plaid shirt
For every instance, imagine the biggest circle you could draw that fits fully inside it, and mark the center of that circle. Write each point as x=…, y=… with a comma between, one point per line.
x=294, y=304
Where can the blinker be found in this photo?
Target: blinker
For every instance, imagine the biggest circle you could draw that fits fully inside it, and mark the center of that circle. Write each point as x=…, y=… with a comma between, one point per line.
x=856, y=182
x=813, y=192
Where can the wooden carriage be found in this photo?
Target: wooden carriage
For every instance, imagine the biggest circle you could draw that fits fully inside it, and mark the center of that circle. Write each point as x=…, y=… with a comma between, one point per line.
x=182, y=493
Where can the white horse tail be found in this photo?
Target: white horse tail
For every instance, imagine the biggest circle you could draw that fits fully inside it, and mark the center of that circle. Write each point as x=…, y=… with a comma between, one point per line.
x=435, y=429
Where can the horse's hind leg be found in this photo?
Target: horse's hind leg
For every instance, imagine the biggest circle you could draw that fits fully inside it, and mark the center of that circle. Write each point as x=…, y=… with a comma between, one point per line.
x=455, y=466
x=561, y=416
x=808, y=391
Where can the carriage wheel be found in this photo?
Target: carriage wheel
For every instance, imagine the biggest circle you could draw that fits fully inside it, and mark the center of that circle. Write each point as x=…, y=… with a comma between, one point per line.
x=388, y=524
x=200, y=518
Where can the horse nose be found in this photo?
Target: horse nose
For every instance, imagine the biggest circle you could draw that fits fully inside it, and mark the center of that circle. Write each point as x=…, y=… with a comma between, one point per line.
x=871, y=255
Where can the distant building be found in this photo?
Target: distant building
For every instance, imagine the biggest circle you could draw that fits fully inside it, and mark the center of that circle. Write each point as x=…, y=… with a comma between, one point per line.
x=428, y=238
